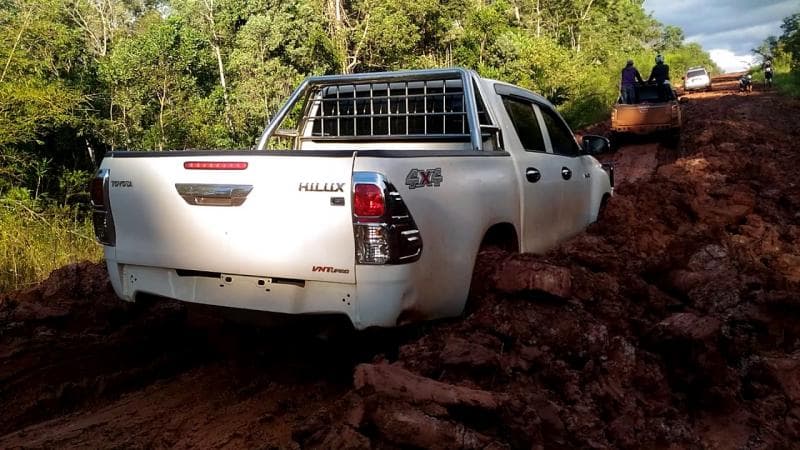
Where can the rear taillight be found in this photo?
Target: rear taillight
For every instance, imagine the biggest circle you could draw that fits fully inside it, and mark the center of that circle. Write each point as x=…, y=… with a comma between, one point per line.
x=215, y=165
x=368, y=201
x=385, y=231
x=102, y=219
x=96, y=192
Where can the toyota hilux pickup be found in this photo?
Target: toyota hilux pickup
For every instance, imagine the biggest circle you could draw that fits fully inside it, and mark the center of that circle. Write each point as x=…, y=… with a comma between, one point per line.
x=391, y=183
x=656, y=109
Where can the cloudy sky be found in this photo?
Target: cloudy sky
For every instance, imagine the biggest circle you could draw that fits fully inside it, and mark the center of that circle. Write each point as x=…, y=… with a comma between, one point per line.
x=727, y=29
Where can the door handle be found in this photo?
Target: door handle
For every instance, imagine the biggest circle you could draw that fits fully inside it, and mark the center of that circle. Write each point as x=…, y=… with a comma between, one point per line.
x=566, y=173
x=533, y=175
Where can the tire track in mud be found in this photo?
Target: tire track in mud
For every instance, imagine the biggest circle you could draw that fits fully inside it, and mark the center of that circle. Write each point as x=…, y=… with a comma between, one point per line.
x=674, y=322
x=80, y=367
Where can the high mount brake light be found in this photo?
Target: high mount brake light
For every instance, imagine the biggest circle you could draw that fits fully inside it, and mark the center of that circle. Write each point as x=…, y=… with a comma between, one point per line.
x=368, y=201
x=214, y=165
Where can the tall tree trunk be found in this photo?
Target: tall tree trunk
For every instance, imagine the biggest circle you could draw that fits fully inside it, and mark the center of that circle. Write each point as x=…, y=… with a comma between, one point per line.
x=224, y=84
x=22, y=29
x=538, y=19
x=162, y=100
x=216, y=46
x=339, y=34
x=111, y=119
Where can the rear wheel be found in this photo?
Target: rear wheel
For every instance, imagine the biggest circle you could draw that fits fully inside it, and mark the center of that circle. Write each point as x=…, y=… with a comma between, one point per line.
x=601, y=211
x=672, y=138
x=616, y=139
x=499, y=242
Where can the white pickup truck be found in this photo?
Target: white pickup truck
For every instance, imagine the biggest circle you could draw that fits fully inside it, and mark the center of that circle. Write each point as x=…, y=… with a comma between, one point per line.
x=393, y=183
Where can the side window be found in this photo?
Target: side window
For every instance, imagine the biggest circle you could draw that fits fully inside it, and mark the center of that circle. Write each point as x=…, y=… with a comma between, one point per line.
x=524, y=119
x=560, y=136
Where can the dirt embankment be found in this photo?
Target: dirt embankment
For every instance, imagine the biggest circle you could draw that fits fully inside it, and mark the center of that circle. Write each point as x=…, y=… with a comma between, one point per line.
x=673, y=322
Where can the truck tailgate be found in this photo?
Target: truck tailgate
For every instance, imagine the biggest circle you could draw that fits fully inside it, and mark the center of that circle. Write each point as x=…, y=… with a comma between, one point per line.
x=294, y=220
x=642, y=114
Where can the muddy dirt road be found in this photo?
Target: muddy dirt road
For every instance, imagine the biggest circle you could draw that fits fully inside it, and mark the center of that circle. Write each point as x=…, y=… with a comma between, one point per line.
x=674, y=322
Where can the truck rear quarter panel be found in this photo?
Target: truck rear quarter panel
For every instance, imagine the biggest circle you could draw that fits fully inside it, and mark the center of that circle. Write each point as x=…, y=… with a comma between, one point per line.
x=475, y=192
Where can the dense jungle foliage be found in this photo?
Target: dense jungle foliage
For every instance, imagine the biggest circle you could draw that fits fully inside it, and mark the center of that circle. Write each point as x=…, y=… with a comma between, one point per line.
x=82, y=77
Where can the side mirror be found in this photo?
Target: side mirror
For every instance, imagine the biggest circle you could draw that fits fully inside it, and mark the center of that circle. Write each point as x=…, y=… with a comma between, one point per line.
x=595, y=145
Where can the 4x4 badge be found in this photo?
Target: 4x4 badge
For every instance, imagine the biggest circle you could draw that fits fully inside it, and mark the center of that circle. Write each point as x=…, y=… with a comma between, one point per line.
x=424, y=177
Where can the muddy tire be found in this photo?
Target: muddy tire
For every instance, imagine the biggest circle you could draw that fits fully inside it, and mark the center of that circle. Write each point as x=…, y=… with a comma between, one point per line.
x=499, y=243
x=672, y=138
x=480, y=285
x=601, y=211
x=616, y=139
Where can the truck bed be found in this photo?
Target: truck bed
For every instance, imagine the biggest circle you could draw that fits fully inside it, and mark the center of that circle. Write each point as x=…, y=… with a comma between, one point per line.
x=649, y=114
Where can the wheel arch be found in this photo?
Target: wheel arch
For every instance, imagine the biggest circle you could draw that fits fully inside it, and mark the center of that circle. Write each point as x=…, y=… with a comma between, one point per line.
x=501, y=235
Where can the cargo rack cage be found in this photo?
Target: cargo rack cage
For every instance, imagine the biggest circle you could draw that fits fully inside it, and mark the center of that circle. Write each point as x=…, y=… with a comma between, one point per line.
x=438, y=104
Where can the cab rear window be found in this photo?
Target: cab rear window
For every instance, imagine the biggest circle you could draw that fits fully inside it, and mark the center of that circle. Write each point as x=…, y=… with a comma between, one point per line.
x=695, y=73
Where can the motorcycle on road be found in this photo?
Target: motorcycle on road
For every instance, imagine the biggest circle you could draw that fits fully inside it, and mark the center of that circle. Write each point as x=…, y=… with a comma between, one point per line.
x=746, y=83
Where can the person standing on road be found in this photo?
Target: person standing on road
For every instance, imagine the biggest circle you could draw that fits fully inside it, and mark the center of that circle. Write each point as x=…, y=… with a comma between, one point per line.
x=630, y=75
x=767, y=66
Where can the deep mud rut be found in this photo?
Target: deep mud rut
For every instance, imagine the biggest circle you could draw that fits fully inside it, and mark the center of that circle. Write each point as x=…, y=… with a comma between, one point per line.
x=673, y=322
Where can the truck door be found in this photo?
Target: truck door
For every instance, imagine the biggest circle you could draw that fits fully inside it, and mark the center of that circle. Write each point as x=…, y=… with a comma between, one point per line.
x=575, y=181
x=538, y=175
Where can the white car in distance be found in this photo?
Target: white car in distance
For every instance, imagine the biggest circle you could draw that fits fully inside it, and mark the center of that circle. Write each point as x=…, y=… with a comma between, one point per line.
x=697, y=78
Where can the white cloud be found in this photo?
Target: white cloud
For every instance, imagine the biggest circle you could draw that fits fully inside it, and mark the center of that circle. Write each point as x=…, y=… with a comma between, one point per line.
x=740, y=40
x=734, y=25
x=729, y=61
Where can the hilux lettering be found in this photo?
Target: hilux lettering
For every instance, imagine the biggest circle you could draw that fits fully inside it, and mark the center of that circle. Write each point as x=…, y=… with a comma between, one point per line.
x=321, y=187
x=121, y=183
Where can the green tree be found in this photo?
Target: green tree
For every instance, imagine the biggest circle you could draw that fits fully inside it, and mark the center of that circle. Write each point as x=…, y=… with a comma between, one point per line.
x=790, y=39
x=40, y=57
x=273, y=51
x=153, y=78
x=671, y=38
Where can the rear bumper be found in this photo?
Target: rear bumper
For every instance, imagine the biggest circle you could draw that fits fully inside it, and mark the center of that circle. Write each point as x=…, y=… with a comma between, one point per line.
x=644, y=129
x=378, y=299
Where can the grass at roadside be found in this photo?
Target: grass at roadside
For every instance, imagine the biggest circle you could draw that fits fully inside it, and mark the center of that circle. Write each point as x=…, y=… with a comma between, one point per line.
x=35, y=241
x=788, y=83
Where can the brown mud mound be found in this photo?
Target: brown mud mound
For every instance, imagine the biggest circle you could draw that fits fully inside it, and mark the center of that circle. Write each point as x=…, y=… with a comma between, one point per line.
x=673, y=322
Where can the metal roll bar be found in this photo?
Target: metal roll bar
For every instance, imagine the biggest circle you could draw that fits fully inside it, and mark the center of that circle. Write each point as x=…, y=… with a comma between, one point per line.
x=302, y=91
